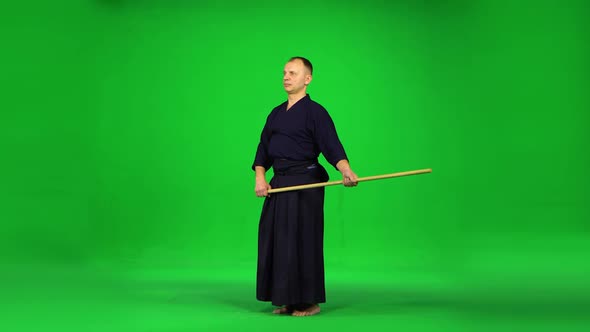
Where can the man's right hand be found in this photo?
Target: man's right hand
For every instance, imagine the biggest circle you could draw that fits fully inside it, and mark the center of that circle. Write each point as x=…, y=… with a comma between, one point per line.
x=262, y=187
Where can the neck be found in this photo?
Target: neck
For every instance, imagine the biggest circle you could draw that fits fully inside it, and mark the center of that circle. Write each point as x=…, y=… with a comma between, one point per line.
x=293, y=98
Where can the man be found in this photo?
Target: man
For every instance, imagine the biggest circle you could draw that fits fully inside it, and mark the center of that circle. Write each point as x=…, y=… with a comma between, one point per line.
x=290, y=239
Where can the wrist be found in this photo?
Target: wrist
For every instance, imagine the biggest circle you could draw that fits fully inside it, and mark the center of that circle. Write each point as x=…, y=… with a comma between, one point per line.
x=260, y=172
x=343, y=166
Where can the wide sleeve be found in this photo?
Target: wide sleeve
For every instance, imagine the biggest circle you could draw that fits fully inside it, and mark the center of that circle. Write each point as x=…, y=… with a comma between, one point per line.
x=326, y=137
x=262, y=157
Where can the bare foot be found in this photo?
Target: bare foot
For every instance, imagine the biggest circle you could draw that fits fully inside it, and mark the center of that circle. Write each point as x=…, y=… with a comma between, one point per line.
x=283, y=310
x=310, y=311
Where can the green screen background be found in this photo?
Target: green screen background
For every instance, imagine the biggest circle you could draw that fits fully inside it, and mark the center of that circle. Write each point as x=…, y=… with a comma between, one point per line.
x=128, y=128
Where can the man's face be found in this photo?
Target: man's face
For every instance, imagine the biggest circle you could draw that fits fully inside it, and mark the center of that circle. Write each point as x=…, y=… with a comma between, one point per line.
x=295, y=76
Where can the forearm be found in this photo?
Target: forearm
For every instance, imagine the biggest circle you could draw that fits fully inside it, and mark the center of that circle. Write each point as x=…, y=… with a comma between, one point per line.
x=343, y=166
x=260, y=172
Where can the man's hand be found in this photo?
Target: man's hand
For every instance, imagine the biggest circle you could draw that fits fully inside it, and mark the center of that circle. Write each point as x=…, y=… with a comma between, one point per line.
x=348, y=177
x=262, y=187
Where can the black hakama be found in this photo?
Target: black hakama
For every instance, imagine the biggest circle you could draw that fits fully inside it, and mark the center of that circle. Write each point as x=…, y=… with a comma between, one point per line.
x=291, y=237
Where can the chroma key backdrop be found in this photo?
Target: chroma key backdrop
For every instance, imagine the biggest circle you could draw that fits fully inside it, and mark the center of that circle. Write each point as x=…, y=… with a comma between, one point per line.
x=128, y=129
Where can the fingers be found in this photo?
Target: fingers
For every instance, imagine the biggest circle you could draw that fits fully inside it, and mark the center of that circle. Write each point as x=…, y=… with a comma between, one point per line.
x=263, y=191
x=350, y=181
x=349, y=178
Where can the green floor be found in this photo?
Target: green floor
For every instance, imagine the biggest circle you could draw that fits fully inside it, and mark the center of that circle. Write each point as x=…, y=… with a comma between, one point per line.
x=128, y=128
x=114, y=297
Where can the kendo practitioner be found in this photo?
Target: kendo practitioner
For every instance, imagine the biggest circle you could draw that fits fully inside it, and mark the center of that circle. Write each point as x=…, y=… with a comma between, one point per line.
x=290, y=271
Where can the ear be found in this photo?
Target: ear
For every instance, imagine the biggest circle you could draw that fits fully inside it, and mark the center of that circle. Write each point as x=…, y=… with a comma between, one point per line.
x=308, y=78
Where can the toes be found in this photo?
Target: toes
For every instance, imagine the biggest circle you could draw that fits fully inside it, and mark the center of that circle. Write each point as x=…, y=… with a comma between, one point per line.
x=280, y=310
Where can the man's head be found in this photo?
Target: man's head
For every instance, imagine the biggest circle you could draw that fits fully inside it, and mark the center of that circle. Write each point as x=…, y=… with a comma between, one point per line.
x=297, y=75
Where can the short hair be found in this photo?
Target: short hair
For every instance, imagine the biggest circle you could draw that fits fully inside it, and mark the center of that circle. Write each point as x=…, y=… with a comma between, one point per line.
x=306, y=62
